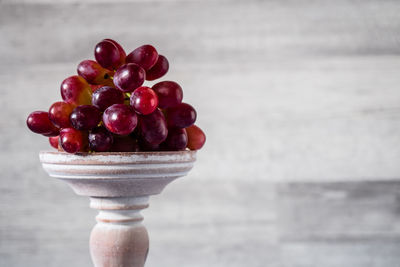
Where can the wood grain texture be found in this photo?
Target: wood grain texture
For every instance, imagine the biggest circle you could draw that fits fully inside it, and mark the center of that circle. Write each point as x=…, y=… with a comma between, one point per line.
x=287, y=91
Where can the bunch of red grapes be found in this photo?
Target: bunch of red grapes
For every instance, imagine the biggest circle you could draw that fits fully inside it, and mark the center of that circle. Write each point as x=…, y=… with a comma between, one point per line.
x=106, y=107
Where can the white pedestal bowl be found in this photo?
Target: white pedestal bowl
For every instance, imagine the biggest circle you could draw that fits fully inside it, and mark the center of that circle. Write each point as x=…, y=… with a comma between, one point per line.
x=119, y=186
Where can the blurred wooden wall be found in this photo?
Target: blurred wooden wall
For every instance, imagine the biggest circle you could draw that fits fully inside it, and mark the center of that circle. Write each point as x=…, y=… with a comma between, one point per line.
x=301, y=105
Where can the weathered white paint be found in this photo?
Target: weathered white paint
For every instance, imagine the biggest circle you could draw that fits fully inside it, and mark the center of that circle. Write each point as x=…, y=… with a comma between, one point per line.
x=119, y=239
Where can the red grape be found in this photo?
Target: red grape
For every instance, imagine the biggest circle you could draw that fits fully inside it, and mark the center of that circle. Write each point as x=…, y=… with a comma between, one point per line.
x=106, y=107
x=76, y=90
x=181, y=116
x=54, y=141
x=72, y=140
x=85, y=117
x=196, y=137
x=159, y=69
x=59, y=114
x=129, y=77
x=39, y=122
x=93, y=73
x=169, y=93
x=107, y=96
x=100, y=140
x=108, y=55
x=145, y=56
x=153, y=127
x=124, y=144
x=120, y=119
x=144, y=100
x=177, y=139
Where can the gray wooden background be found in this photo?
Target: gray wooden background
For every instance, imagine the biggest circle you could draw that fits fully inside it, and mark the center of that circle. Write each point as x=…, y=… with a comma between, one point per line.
x=300, y=101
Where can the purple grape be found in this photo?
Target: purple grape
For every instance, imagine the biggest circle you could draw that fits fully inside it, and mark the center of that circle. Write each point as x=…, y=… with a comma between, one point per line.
x=146, y=146
x=145, y=56
x=107, y=96
x=100, y=140
x=169, y=93
x=159, y=69
x=181, y=116
x=108, y=55
x=120, y=49
x=120, y=119
x=129, y=77
x=153, y=127
x=85, y=117
x=177, y=139
x=124, y=144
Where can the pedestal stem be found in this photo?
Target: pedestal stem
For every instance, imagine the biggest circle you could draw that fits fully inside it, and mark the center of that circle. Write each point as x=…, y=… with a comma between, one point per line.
x=119, y=239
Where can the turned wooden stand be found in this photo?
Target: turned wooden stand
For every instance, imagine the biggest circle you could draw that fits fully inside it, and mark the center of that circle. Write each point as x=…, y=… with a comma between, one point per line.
x=119, y=186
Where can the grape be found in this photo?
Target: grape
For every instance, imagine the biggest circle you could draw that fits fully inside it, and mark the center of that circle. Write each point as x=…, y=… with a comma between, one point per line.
x=39, y=122
x=124, y=144
x=177, y=139
x=53, y=140
x=196, y=137
x=108, y=55
x=55, y=132
x=153, y=127
x=106, y=107
x=93, y=73
x=145, y=56
x=120, y=49
x=129, y=77
x=85, y=117
x=107, y=96
x=95, y=87
x=181, y=116
x=76, y=90
x=72, y=140
x=169, y=93
x=146, y=146
x=159, y=69
x=59, y=114
x=120, y=119
x=144, y=100
x=100, y=140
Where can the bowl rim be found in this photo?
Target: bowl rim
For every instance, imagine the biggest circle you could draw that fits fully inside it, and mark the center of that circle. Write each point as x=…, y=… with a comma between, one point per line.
x=117, y=158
